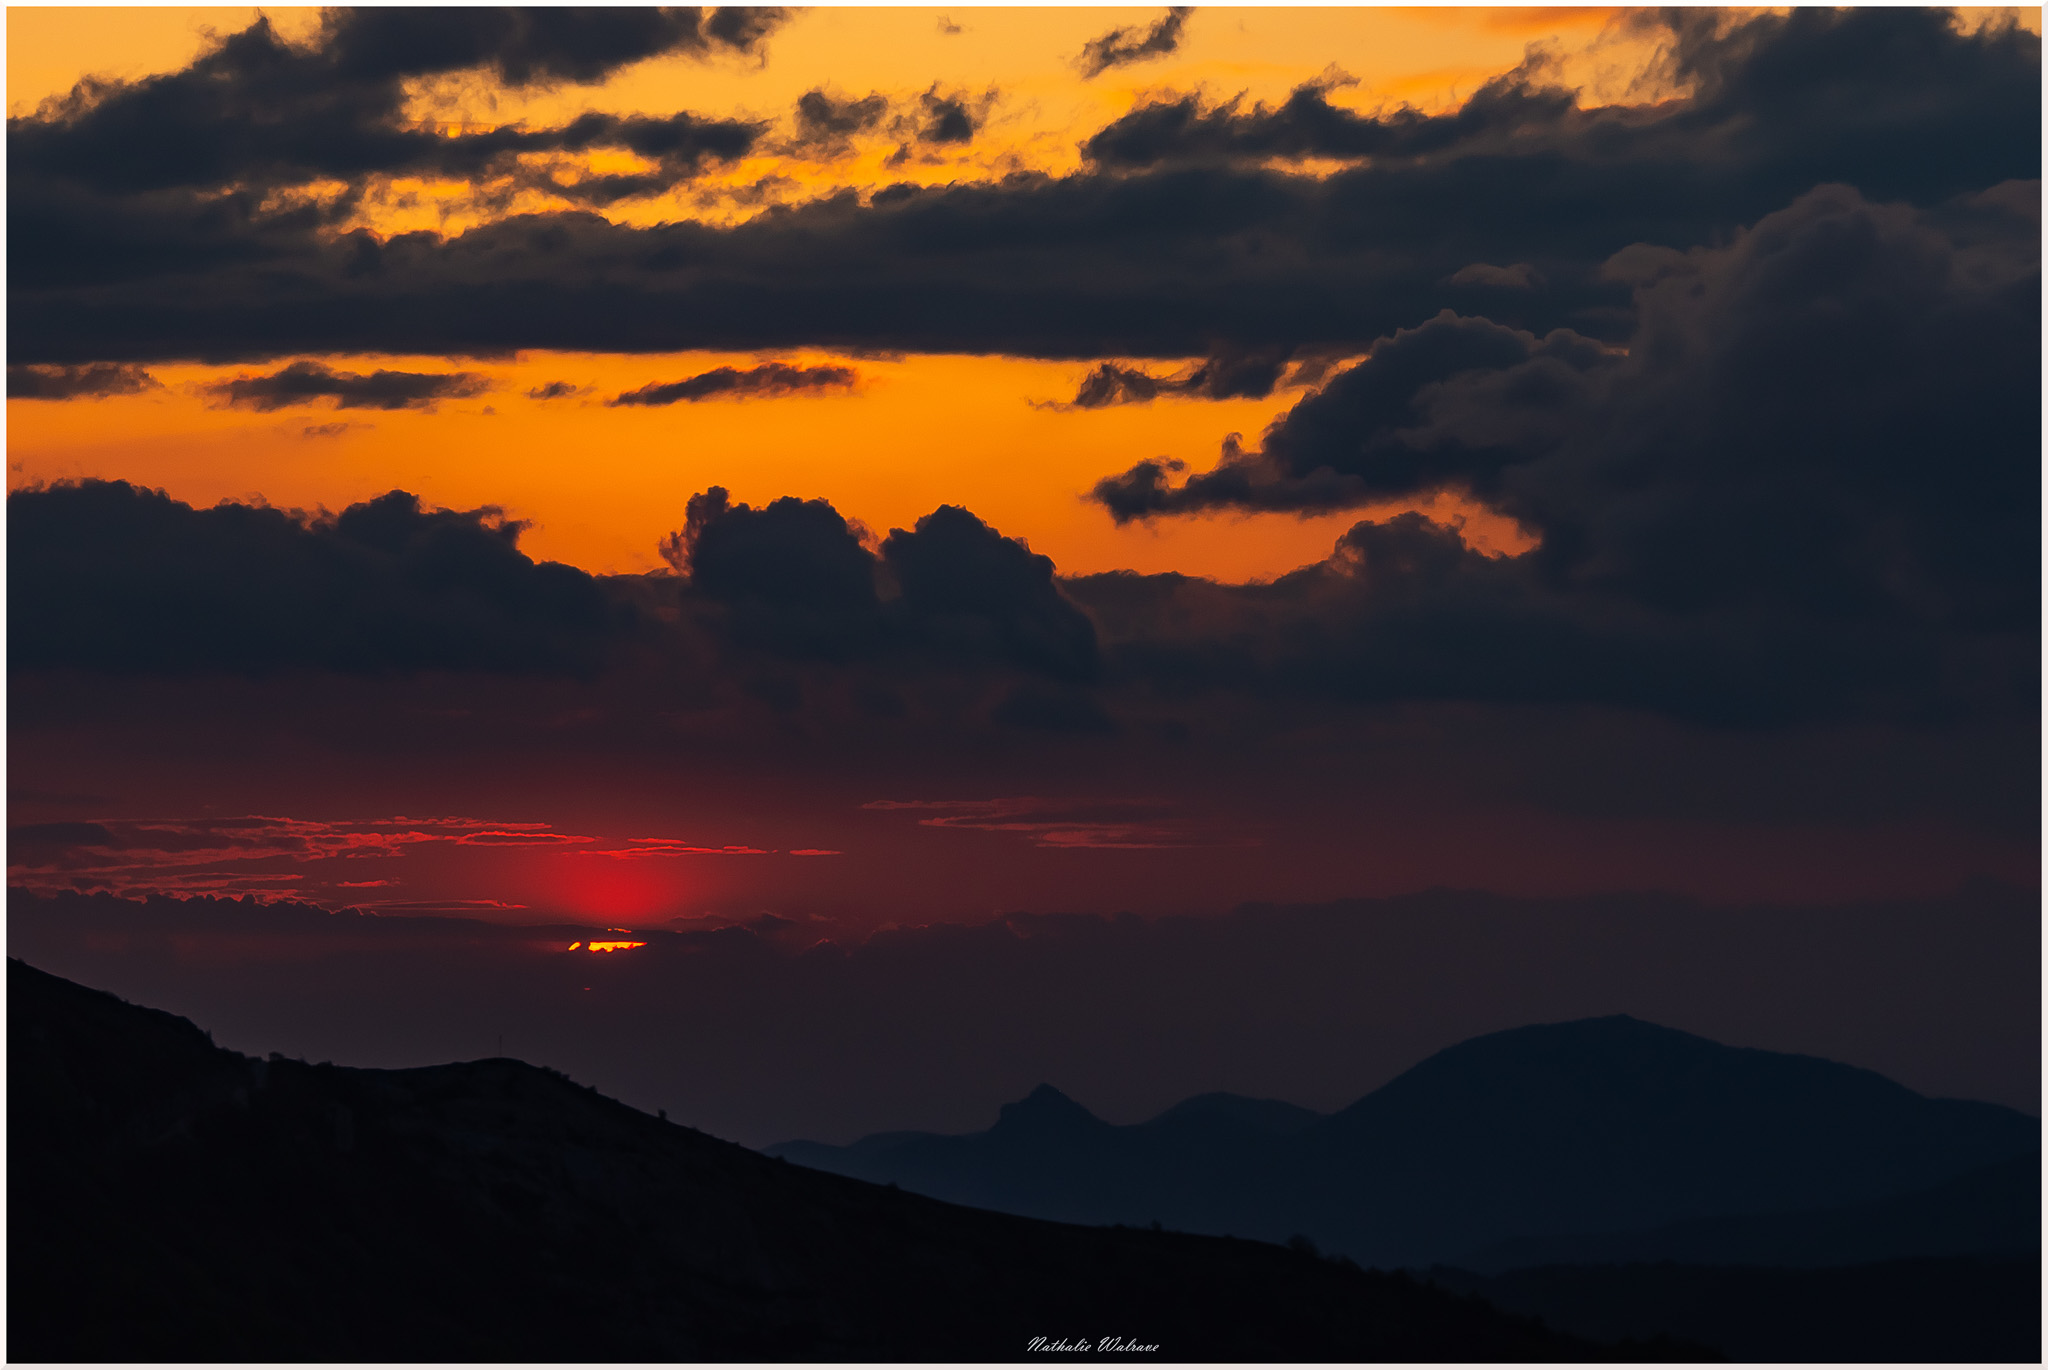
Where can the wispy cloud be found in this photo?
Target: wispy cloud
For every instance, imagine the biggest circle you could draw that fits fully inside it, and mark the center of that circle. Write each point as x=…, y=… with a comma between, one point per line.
x=1120, y=47
x=1129, y=824
x=638, y=848
x=772, y=380
x=251, y=854
x=304, y=383
x=94, y=381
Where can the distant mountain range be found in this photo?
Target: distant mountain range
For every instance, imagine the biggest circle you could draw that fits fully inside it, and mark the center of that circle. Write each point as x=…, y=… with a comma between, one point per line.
x=169, y=1200
x=1522, y=1141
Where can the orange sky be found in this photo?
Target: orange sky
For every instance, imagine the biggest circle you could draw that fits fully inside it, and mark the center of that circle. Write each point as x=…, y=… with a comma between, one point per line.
x=602, y=485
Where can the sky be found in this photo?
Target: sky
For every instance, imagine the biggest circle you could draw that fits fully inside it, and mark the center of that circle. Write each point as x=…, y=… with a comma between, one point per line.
x=817, y=475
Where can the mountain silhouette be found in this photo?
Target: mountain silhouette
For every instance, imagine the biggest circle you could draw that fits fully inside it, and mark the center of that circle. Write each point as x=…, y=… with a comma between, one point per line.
x=169, y=1200
x=1049, y=1157
x=1600, y=1125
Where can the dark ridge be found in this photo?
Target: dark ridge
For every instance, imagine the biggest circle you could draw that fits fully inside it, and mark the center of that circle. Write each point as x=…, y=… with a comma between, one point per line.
x=1955, y=1310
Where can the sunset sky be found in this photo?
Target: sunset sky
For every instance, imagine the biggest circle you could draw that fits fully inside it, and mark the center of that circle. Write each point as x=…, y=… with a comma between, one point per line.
x=848, y=469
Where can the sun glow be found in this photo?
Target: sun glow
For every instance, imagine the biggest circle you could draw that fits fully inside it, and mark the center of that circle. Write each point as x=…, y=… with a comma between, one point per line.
x=624, y=943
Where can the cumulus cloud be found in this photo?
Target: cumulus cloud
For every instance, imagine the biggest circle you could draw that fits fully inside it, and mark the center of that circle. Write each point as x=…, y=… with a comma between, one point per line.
x=792, y=576
x=974, y=591
x=796, y=578
x=1353, y=440
x=771, y=380
x=1122, y=46
x=1739, y=516
x=108, y=576
x=1716, y=429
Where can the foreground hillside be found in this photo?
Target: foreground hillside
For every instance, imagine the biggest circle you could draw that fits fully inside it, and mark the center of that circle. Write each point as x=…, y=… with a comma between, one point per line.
x=173, y=1201
x=1957, y=1310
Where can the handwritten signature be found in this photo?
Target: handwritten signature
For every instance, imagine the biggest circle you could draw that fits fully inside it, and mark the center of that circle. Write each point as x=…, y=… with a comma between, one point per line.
x=1083, y=1346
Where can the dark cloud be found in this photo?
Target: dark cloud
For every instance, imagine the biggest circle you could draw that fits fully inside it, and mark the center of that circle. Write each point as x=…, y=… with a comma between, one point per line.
x=767, y=381
x=58, y=835
x=304, y=382
x=1051, y=711
x=1780, y=103
x=825, y=125
x=77, y=382
x=1520, y=276
x=1777, y=404
x=680, y=144
x=556, y=390
x=106, y=576
x=1406, y=611
x=1229, y=373
x=1188, y=129
x=947, y=118
x=114, y=578
x=1121, y=47
x=797, y=579
x=534, y=45
x=742, y=27
x=1741, y=518
x=940, y=121
x=982, y=594
x=1352, y=441
x=257, y=111
x=1159, y=261
x=1123, y=263
x=792, y=555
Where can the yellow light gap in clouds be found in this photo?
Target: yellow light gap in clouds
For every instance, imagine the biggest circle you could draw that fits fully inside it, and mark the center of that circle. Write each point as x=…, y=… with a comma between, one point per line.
x=51, y=47
x=603, y=484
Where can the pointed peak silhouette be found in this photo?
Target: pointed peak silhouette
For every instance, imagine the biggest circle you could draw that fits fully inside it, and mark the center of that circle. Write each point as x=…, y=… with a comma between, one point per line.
x=1045, y=1107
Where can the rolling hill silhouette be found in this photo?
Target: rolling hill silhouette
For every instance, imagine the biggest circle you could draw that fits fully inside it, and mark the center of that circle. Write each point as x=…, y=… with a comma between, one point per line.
x=170, y=1200
x=1601, y=1125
